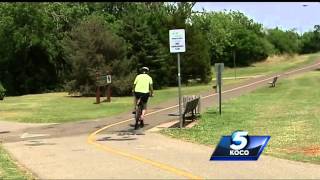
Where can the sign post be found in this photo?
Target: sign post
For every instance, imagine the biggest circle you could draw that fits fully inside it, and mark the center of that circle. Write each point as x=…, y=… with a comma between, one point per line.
x=109, y=88
x=177, y=45
x=234, y=64
x=219, y=68
x=103, y=80
x=179, y=91
x=97, y=89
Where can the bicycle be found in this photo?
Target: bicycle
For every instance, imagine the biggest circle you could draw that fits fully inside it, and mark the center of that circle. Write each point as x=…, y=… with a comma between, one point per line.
x=138, y=113
x=138, y=109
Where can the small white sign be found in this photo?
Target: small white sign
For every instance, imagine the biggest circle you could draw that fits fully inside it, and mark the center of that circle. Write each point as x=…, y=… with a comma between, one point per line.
x=177, y=40
x=109, y=79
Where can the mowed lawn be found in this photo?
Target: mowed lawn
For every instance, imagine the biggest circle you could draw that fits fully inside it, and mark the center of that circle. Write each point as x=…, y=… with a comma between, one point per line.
x=290, y=113
x=60, y=107
x=271, y=65
x=8, y=169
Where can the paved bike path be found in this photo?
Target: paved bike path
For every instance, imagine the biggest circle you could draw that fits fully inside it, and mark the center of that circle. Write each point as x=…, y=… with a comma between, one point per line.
x=161, y=116
x=65, y=154
x=71, y=158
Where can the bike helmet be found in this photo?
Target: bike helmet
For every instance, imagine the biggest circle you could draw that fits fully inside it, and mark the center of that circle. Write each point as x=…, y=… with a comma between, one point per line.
x=145, y=69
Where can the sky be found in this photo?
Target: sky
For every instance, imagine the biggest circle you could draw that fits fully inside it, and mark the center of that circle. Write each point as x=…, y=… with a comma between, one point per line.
x=285, y=15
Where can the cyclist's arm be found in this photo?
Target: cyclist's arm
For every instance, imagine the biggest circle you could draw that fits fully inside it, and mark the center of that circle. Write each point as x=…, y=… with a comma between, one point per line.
x=134, y=86
x=151, y=89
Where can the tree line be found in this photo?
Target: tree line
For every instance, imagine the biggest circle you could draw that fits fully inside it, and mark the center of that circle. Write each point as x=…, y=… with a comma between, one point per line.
x=60, y=46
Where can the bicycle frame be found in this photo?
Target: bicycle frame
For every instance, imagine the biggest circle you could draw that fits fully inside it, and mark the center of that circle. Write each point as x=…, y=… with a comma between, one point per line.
x=139, y=108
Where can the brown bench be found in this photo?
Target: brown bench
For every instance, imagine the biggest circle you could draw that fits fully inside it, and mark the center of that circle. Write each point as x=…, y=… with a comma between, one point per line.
x=273, y=82
x=191, y=107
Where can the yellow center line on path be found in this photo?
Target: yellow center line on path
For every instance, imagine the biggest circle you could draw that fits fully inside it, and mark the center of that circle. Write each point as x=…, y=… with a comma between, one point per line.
x=91, y=140
x=92, y=137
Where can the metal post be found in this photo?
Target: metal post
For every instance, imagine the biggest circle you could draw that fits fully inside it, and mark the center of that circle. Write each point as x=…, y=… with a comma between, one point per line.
x=179, y=84
x=98, y=95
x=220, y=99
x=109, y=93
x=219, y=82
x=234, y=64
x=97, y=89
x=199, y=106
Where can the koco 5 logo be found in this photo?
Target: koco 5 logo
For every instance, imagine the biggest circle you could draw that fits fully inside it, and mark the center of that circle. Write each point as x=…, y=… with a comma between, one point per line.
x=239, y=141
x=240, y=146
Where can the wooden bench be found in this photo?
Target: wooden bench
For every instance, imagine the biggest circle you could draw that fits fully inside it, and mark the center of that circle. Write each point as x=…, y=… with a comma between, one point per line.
x=273, y=82
x=190, y=108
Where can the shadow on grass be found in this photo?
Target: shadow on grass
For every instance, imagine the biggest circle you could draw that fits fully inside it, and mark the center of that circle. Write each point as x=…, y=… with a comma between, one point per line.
x=213, y=112
x=177, y=125
x=73, y=96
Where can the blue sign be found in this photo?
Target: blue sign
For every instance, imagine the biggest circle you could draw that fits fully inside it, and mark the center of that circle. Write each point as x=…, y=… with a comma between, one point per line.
x=240, y=147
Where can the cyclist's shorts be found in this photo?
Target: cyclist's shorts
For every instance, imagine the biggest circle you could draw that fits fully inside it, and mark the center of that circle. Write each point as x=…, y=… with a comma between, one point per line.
x=144, y=98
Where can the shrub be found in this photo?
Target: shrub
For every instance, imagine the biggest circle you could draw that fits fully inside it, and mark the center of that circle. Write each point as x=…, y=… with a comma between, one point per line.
x=91, y=47
x=2, y=92
x=122, y=85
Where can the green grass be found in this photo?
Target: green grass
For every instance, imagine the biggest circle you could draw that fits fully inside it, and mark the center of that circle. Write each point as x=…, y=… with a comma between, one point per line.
x=289, y=113
x=8, y=169
x=271, y=65
x=59, y=107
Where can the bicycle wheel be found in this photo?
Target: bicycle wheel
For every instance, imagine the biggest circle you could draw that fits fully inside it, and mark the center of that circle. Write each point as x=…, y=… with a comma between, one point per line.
x=138, y=114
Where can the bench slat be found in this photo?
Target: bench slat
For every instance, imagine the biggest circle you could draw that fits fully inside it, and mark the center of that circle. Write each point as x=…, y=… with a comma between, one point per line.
x=273, y=83
x=190, y=107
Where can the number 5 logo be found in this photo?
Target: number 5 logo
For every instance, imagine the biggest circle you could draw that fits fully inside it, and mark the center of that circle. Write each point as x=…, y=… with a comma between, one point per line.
x=238, y=139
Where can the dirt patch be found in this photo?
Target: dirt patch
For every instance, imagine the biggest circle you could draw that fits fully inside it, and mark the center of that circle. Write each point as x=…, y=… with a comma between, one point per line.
x=309, y=151
x=276, y=59
x=312, y=151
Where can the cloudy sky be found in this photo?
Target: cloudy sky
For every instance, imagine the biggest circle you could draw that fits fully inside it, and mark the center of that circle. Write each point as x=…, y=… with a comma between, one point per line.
x=285, y=15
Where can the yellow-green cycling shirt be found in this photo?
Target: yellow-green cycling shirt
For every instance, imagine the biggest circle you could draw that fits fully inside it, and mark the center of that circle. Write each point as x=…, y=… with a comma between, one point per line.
x=142, y=83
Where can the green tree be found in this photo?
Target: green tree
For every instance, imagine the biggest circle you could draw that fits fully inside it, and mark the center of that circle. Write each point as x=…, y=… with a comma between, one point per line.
x=284, y=41
x=88, y=54
x=196, y=60
x=229, y=32
x=145, y=48
x=26, y=48
x=31, y=53
x=2, y=91
x=310, y=41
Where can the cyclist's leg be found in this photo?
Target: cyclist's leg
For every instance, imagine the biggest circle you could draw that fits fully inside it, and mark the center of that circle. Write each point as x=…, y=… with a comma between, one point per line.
x=144, y=99
x=138, y=111
x=137, y=118
x=137, y=115
x=144, y=110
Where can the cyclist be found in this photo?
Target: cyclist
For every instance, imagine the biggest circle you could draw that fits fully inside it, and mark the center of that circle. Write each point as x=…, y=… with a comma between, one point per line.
x=142, y=88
